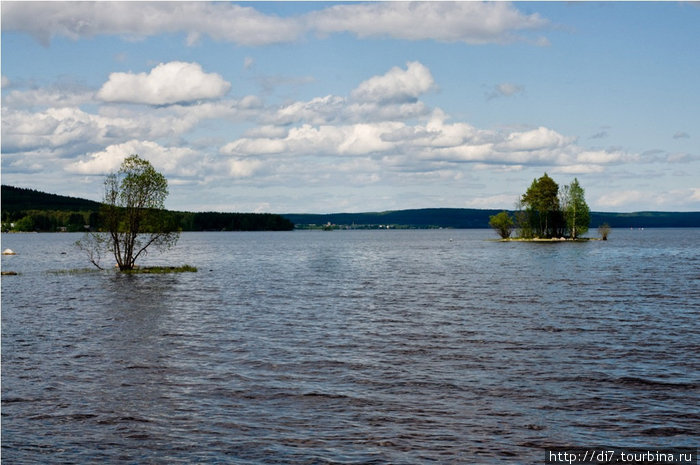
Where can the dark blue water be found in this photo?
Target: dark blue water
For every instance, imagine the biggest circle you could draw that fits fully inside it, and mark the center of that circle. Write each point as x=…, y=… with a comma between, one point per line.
x=351, y=347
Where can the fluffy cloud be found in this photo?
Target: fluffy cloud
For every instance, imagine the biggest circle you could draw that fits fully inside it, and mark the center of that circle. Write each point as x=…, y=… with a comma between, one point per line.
x=238, y=168
x=378, y=120
x=71, y=128
x=355, y=139
x=171, y=160
x=315, y=111
x=381, y=133
x=536, y=139
x=48, y=97
x=52, y=128
x=68, y=131
x=167, y=83
x=430, y=145
x=218, y=20
x=397, y=85
x=470, y=22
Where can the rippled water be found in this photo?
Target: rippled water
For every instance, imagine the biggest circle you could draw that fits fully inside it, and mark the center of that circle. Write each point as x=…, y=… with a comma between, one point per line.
x=351, y=347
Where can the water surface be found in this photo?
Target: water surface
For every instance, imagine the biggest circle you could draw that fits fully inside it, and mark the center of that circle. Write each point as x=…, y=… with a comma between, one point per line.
x=351, y=347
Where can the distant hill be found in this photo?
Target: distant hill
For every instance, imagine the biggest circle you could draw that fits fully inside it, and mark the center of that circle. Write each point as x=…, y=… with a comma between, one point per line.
x=31, y=210
x=467, y=218
x=459, y=218
x=17, y=203
x=647, y=219
x=15, y=199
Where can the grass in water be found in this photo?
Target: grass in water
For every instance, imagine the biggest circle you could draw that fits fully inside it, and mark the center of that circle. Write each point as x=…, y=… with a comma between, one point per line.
x=162, y=269
x=75, y=271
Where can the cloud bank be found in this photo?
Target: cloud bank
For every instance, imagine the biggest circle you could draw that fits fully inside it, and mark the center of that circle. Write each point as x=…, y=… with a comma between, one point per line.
x=383, y=120
x=469, y=22
x=382, y=133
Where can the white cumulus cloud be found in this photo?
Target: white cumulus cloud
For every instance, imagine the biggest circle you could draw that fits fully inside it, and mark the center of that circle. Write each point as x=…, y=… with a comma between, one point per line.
x=535, y=139
x=470, y=22
x=397, y=85
x=171, y=160
x=323, y=140
x=48, y=97
x=218, y=20
x=167, y=83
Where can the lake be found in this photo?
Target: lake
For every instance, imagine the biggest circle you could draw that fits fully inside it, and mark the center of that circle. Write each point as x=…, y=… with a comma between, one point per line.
x=351, y=347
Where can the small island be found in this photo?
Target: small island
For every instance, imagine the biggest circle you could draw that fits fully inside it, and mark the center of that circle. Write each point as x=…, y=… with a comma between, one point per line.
x=546, y=213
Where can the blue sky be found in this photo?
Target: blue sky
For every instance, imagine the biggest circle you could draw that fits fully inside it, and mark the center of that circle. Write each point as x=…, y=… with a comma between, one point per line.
x=328, y=107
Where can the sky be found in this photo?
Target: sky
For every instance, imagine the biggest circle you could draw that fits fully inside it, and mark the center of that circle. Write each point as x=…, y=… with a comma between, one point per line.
x=321, y=107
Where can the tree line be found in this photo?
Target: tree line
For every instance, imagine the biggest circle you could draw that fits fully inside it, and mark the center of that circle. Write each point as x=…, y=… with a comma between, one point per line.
x=27, y=210
x=546, y=211
x=78, y=221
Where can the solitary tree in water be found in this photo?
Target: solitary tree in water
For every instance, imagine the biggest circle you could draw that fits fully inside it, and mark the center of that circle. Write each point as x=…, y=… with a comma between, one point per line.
x=133, y=214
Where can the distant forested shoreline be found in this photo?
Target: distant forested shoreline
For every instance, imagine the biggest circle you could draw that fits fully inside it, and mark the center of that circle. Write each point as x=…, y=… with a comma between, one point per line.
x=31, y=210
x=50, y=212
x=466, y=218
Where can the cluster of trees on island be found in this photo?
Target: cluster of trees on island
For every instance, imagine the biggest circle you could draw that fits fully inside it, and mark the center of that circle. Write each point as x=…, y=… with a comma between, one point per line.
x=545, y=211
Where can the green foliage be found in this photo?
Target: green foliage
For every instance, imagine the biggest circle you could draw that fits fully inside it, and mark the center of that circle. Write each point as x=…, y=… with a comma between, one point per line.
x=523, y=221
x=576, y=212
x=502, y=223
x=133, y=214
x=16, y=199
x=550, y=213
x=52, y=213
x=74, y=271
x=163, y=269
x=424, y=218
x=542, y=206
x=216, y=221
x=25, y=224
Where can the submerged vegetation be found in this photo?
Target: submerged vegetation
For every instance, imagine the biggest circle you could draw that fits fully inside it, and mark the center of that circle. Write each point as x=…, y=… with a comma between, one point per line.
x=163, y=269
x=135, y=270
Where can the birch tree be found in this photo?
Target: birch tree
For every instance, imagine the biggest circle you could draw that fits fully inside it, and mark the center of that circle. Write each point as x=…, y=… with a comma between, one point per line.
x=576, y=212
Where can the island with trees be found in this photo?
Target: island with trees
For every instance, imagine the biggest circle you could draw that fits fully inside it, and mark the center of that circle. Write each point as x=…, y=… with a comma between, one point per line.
x=546, y=212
